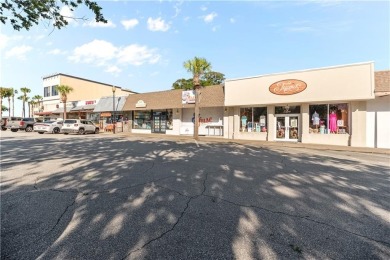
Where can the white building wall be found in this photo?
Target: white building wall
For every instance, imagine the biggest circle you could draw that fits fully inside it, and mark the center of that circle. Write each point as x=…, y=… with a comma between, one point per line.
x=378, y=122
x=211, y=121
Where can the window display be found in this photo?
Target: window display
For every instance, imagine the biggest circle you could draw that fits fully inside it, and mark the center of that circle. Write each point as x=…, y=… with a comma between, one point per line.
x=328, y=119
x=142, y=120
x=253, y=119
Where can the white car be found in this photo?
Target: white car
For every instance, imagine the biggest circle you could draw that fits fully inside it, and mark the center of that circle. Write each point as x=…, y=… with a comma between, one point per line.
x=48, y=127
x=79, y=126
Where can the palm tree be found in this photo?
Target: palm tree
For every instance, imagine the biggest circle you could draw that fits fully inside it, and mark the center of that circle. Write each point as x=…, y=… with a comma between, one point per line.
x=8, y=94
x=37, y=101
x=24, y=98
x=197, y=66
x=64, y=90
x=14, y=91
x=3, y=92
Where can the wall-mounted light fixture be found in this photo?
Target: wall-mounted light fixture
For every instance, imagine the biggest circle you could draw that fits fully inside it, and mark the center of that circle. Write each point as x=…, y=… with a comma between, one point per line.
x=226, y=109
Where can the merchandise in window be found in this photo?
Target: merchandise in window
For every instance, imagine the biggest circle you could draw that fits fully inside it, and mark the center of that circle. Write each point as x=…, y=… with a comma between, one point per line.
x=253, y=119
x=328, y=119
x=142, y=120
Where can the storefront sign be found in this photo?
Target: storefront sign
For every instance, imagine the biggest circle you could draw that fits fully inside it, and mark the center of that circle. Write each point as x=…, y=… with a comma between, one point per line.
x=188, y=97
x=140, y=103
x=287, y=87
x=106, y=114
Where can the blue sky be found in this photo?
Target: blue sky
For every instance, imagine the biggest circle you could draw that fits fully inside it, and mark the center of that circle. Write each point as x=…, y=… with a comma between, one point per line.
x=145, y=43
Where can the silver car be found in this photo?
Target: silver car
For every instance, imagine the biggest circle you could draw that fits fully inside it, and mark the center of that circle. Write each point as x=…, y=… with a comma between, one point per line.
x=48, y=127
x=79, y=126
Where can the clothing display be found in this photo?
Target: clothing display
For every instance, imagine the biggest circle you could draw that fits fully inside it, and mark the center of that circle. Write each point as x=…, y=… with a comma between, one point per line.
x=333, y=122
x=315, y=118
x=243, y=121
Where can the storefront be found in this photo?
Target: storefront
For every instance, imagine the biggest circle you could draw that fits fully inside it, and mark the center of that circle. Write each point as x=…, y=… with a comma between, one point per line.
x=323, y=106
x=172, y=112
x=107, y=112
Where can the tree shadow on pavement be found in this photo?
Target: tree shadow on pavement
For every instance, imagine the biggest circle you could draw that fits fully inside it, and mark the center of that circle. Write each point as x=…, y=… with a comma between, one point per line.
x=104, y=198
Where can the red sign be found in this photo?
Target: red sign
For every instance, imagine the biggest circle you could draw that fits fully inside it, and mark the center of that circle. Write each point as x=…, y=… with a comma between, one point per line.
x=90, y=102
x=288, y=87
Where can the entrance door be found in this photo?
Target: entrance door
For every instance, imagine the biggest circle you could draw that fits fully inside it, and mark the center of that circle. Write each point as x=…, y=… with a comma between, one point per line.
x=159, y=122
x=287, y=127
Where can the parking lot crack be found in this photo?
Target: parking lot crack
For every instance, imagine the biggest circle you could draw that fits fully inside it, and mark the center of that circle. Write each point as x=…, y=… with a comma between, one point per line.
x=177, y=221
x=166, y=232
x=298, y=216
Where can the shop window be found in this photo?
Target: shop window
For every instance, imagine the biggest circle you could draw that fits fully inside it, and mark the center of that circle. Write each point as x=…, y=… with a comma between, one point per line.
x=253, y=119
x=328, y=119
x=94, y=117
x=142, y=120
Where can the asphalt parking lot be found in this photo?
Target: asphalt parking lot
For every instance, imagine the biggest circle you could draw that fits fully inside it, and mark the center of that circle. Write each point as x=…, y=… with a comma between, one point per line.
x=128, y=197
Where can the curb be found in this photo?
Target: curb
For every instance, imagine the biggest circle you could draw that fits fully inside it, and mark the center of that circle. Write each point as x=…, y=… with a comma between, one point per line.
x=254, y=143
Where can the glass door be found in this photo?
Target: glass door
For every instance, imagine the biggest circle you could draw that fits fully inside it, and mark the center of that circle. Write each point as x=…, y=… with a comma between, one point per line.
x=159, y=122
x=287, y=128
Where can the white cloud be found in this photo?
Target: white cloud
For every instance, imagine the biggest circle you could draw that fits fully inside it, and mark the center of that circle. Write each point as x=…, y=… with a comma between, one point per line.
x=95, y=24
x=177, y=9
x=6, y=40
x=203, y=8
x=186, y=18
x=19, y=52
x=137, y=55
x=157, y=24
x=113, y=70
x=103, y=53
x=232, y=20
x=69, y=17
x=215, y=28
x=129, y=24
x=97, y=52
x=56, y=52
x=210, y=17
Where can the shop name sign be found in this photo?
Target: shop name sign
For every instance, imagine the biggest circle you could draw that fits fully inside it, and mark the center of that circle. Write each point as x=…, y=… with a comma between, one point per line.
x=140, y=103
x=288, y=87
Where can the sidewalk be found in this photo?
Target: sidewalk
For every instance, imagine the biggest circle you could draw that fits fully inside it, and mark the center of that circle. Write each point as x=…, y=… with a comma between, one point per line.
x=256, y=143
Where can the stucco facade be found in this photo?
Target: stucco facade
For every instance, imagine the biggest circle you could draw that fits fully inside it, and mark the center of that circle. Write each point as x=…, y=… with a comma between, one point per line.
x=323, y=106
x=84, y=90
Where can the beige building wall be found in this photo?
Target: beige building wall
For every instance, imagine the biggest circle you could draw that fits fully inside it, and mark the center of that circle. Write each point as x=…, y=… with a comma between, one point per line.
x=358, y=127
x=333, y=84
x=89, y=90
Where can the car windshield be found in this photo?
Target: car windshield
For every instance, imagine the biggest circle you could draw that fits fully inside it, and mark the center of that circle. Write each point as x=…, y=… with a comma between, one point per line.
x=49, y=122
x=70, y=121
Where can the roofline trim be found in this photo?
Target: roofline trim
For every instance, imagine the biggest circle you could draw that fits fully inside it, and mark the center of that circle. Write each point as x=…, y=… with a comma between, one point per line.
x=94, y=81
x=298, y=71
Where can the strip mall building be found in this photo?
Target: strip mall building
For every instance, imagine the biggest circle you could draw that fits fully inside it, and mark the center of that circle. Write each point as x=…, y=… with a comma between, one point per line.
x=343, y=105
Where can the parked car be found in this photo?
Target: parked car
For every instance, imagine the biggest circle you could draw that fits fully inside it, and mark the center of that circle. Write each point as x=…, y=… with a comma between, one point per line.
x=78, y=126
x=4, y=121
x=48, y=127
x=13, y=123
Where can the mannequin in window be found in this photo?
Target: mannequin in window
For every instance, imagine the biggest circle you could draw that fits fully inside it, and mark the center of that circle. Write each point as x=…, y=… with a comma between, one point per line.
x=333, y=122
x=316, y=119
x=243, y=122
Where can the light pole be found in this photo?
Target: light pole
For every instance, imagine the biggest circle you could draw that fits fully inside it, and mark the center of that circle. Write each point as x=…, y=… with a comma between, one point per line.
x=113, y=108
